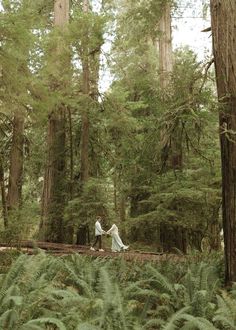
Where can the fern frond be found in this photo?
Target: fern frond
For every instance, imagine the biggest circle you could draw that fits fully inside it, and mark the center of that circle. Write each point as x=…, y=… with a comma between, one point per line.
x=8, y=319
x=154, y=324
x=68, y=298
x=161, y=280
x=226, y=322
x=47, y=320
x=16, y=270
x=86, y=326
x=30, y=327
x=198, y=322
x=113, y=310
x=226, y=313
x=78, y=281
x=173, y=322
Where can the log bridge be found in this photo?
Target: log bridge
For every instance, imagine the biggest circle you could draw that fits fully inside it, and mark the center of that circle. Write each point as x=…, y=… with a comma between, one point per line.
x=59, y=249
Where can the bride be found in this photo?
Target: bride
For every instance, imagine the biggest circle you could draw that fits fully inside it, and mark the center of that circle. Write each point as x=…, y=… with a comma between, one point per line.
x=117, y=244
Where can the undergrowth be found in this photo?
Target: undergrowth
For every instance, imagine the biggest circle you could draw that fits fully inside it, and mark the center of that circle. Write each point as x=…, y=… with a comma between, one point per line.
x=82, y=293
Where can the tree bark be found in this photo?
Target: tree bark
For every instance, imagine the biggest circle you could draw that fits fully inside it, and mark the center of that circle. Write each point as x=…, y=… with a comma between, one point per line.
x=176, y=238
x=84, y=148
x=85, y=118
x=223, y=18
x=176, y=149
x=90, y=77
x=215, y=228
x=172, y=238
x=83, y=230
x=69, y=227
x=165, y=47
x=115, y=193
x=3, y=194
x=122, y=206
x=53, y=198
x=61, y=12
x=16, y=164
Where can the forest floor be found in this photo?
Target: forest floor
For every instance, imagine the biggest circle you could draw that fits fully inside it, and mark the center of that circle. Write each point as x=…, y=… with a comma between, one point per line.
x=58, y=249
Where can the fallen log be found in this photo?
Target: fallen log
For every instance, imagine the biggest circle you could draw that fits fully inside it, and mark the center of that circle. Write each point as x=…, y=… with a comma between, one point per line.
x=60, y=249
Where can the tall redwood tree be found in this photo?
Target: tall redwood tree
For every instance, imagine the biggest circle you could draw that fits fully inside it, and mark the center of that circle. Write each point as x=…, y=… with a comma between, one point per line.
x=53, y=199
x=223, y=18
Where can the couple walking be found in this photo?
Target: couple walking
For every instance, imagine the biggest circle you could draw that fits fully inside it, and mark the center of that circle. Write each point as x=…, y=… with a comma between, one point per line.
x=117, y=244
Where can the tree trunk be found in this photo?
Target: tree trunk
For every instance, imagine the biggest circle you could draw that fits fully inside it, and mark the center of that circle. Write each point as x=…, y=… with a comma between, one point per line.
x=122, y=206
x=3, y=194
x=69, y=228
x=16, y=164
x=84, y=148
x=53, y=198
x=90, y=77
x=71, y=147
x=54, y=181
x=215, y=228
x=85, y=117
x=115, y=193
x=165, y=47
x=176, y=238
x=176, y=149
x=173, y=238
x=122, y=211
x=223, y=18
x=90, y=66
x=83, y=230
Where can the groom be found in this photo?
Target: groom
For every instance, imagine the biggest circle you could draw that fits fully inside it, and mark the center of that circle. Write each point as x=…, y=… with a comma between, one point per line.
x=98, y=234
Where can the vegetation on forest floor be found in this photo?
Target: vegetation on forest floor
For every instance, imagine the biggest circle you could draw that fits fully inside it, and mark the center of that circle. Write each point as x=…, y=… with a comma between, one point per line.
x=77, y=292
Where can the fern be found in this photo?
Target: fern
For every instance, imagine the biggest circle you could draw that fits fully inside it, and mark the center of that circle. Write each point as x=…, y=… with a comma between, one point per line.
x=161, y=280
x=84, y=293
x=179, y=318
x=9, y=319
x=197, y=323
x=175, y=319
x=30, y=327
x=77, y=280
x=86, y=326
x=46, y=321
x=226, y=312
x=16, y=270
x=113, y=314
x=155, y=323
x=201, y=285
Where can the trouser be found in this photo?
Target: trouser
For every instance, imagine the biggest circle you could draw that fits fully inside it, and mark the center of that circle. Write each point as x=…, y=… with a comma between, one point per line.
x=98, y=239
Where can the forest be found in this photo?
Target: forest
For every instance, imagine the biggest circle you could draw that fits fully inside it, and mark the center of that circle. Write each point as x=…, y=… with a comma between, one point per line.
x=103, y=117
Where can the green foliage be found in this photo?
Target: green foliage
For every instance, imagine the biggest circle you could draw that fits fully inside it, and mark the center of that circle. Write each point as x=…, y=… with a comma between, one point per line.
x=77, y=292
x=23, y=223
x=225, y=314
x=92, y=202
x=187, y=201
x=153, y=128
x=136, y=130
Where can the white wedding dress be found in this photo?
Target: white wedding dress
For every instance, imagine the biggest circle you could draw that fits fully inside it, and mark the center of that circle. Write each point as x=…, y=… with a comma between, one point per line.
x=117, y=244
